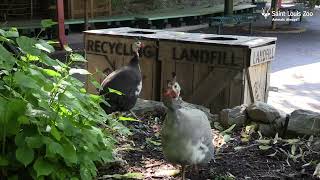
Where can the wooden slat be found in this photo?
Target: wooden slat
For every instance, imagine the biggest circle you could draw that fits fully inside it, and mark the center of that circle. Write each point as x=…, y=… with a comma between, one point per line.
x=220, y=77
x=201, y=71
x=92, y=8
x=167, y=68
x=250, y=86
x=184, y=73
x=267, y=82
x=110, y=7
x=236, y=91
x=259, y=81
x=147, y=78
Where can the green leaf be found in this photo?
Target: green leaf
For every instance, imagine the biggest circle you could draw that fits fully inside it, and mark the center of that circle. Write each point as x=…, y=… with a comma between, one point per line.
x=25, y=81
x=96, y=84
x=25, y=155
x=43, y=45
x=3, y=161
x=23, y=120
x=32, y=58
x=106, y=156
x=54, y=148
x=115, y=91
x=44, y=58
x=43, y=167
x=226, y=138
x=128, y=176
x=34, y=141
x=45, y=23
x=85, y=173
x=28, y=45
x=121, y=118
x=77, y=58
x=78, y=71
x=69, y=153
x=19, y=139
x=263, y=141
x=2, y=32
x=51, y=73
x=293, y=149
x=12, y=33
x=4, y=39
x=6, y=59
x=262, y=147
x=229, y=130
x=15, y=108
x=55, y=133
x=153, y=142
x=67, y=48
x=291, y=141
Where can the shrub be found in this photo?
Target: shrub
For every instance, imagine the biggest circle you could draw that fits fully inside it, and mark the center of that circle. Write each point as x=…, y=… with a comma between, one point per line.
x=48, y=122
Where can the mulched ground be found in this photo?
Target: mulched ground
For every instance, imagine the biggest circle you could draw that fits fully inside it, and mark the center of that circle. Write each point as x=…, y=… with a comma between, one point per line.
x=141, y=153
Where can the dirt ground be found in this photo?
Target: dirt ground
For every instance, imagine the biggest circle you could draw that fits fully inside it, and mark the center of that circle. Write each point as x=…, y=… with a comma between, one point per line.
x=141, y=153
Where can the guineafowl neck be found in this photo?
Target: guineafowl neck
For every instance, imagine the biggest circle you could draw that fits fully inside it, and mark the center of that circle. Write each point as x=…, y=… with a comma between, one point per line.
x=172, y=104
x=134, y=61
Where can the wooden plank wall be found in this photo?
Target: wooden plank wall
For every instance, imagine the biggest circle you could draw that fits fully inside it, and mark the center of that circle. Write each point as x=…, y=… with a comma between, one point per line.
x=107, y=53
x=98, y=8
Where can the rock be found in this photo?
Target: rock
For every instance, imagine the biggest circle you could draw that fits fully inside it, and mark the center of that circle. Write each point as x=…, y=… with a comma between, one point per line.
x=268, y=130
x=260, y=111
x=236, y=115
x=143, y=106
x=304, y=122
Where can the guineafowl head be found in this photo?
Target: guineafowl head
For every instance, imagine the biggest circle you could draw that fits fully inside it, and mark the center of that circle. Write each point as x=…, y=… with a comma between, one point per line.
x=136, y=47
x=173, y=88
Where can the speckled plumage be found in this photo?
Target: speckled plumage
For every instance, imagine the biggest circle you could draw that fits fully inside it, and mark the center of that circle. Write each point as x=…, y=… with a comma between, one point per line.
x=186, y=135
x=128, y=81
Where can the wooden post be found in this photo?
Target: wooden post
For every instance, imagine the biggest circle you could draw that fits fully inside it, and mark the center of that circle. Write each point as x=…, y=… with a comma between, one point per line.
x=86, y=23
x=61, y=29
x=273, y=8
x=228, y=7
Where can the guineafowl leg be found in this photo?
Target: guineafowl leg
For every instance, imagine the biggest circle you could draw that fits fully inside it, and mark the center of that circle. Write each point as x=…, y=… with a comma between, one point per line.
x=133, y=114
x=183, y=172
x=196, y=169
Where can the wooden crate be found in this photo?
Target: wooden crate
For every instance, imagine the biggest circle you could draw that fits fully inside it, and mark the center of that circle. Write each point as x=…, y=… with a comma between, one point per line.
x=96, y=8
x=108, y=50
x=219, y=73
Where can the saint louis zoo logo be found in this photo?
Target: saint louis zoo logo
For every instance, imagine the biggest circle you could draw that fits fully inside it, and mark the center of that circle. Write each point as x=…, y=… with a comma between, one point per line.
x=265, y=12
x=284, y=15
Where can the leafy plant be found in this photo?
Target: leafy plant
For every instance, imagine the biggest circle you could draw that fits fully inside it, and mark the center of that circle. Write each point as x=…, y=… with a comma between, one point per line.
x=48, y=122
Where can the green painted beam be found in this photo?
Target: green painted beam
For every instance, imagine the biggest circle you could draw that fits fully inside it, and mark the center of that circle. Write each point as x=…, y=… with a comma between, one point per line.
x=189, y=12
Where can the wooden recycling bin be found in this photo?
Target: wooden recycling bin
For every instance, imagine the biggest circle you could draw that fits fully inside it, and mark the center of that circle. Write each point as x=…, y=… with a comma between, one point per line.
x=109, y=49
x=217, y=71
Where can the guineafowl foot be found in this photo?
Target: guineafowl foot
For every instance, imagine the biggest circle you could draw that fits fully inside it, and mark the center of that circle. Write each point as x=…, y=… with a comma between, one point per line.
x=134, y=115
x=196, y=169
x=183, y=172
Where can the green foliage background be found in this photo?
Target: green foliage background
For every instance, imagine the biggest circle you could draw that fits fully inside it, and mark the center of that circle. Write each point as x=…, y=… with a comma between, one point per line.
x=48, y=122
